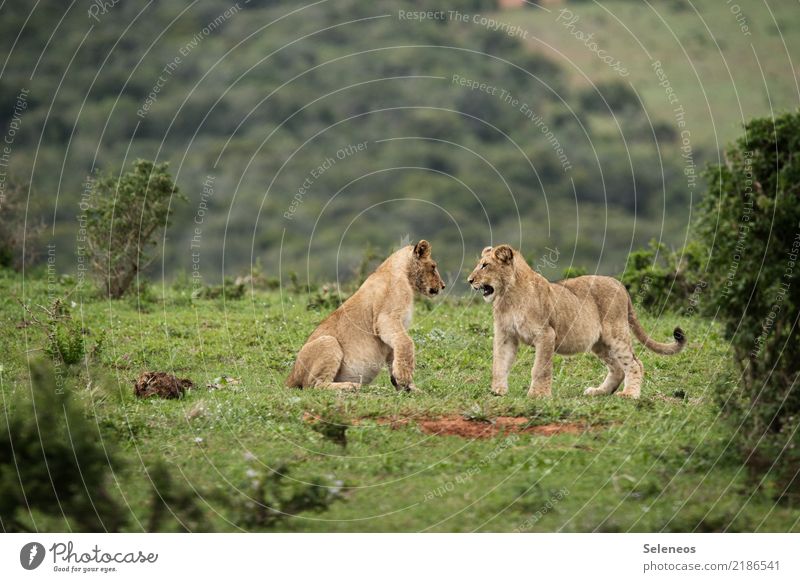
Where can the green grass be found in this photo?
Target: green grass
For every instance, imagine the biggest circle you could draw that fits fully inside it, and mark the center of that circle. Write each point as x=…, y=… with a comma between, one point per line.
x=657, y=464
x=721, y=75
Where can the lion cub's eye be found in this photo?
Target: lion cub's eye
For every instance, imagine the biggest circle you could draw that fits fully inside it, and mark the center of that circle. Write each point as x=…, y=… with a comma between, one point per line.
x=484, y=265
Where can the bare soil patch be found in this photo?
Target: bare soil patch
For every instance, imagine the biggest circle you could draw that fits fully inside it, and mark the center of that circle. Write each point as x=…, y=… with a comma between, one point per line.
x=476, y=429
x=456, y=425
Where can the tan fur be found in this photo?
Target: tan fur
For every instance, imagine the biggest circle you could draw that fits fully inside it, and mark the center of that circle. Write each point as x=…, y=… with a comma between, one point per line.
x=590, y=313
x=368, y=330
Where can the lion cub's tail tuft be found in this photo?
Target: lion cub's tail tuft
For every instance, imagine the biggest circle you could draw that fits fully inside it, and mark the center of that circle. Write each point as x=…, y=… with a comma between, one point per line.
x=648, y=342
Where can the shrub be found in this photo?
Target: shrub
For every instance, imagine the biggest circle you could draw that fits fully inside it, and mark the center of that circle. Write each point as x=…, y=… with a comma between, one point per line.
x=332, y=423
x=173, y=506
x=65, y=340
x=750, y=222
x=659, y=279
x=123, y=222
x=327, y=297
x=52, y=461
x=272, y=499
x=228, y=290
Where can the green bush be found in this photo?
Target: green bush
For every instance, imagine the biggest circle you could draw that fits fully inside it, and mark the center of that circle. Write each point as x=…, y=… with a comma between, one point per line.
x=659, y=279
x=174, y=507
x=272, y=499
x=228, y=290
x=65, y=342
x=123, y=222
x=65, y=337
x=53, y=463
x=750, y=222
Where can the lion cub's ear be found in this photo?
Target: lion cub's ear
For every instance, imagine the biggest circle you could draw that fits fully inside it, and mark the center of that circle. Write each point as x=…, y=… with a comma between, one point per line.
x=486, y=250
x=504, y=253
x=422, y=249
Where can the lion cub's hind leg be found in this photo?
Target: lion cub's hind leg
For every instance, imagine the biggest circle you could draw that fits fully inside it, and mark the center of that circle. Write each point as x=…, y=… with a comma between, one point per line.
x=634, y=371
x=321, y=359
x=615, y=375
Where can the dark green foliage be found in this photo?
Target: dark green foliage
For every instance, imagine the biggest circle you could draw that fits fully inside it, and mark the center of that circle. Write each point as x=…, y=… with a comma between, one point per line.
x=229, y=290
x=658, y=278
x=173, y=506
x=395, y=74
x=14, y=231
x=127, y=216
x=273, y=499
x=65, y=342
x=53, y=461
x=613, y=96
x=332, y=424
x=750, y=223
x=325, y=298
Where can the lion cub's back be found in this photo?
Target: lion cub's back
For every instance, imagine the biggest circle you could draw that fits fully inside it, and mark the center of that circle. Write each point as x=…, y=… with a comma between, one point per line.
x=608, y=294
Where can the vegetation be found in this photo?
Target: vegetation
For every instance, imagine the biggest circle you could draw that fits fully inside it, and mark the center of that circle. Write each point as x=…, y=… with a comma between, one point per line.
x=660, y=279
x=122, y=223
x=338, y=131
x=289, y=104
x=751, y=226
x=55, y=467
x=250, y=446
x=15, y=230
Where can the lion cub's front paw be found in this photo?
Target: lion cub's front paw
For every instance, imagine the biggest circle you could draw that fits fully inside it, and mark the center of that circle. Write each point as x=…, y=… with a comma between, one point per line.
x=403, y=385
x=627, y=394
x=593, y=391
x=539, y=392
x=499, y=390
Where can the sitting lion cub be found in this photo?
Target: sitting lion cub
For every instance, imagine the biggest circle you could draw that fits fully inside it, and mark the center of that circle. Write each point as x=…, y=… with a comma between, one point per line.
x=572, y=316
x=349, y=348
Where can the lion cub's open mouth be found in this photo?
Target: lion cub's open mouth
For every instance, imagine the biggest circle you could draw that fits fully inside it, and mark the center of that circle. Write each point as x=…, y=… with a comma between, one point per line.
x=488, y=292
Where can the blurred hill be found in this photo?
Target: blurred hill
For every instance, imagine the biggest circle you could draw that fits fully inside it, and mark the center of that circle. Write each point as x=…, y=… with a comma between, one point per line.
x=305, y=134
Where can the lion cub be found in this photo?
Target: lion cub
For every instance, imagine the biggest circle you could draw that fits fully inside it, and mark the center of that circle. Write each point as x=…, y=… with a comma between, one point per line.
x=350, y=347
x=572, y=316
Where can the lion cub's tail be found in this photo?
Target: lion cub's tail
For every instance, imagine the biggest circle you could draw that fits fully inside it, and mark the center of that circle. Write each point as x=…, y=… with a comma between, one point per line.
x=650, y=343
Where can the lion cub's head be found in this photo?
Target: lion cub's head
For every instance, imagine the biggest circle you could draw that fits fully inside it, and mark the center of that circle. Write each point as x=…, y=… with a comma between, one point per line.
x=493, y=272
x=424, y=273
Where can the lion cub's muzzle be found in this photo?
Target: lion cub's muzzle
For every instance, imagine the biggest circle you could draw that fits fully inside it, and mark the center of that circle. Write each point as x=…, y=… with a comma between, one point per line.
x=434, y=290
x=486, y=290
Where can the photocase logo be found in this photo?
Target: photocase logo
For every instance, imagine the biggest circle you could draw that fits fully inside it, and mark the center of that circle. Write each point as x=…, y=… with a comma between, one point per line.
x=31, y=555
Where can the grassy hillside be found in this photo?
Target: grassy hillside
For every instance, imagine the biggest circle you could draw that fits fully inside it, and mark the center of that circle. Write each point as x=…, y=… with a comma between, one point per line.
x=663, y=463
x=727, y=61
x=472, y=132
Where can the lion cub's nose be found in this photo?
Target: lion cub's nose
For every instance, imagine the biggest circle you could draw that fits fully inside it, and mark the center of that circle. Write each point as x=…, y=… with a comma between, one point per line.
x=471, y=280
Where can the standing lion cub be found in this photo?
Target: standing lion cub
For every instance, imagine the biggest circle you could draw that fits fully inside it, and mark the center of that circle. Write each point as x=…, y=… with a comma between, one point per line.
x=572, y=316
x=350, y=347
